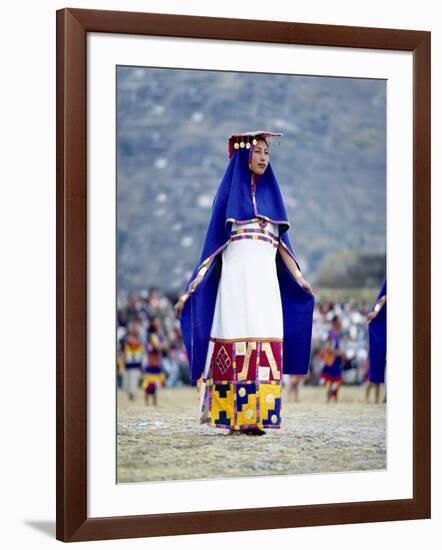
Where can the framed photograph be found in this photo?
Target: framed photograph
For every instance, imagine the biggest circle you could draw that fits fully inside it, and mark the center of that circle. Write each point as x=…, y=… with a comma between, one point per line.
x=232, y=196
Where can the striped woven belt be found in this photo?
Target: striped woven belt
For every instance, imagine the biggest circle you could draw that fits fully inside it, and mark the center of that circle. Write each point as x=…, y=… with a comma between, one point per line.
x=255, y=234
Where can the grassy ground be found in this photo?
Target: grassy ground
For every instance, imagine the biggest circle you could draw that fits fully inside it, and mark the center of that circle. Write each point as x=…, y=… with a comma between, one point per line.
x=167, y=442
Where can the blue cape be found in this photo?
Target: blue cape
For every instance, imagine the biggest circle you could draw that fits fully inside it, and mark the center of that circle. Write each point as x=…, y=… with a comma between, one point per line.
x=377, y=333
x=238, y=200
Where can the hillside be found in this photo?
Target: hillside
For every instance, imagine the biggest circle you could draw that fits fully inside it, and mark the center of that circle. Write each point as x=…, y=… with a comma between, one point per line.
x=173, y=126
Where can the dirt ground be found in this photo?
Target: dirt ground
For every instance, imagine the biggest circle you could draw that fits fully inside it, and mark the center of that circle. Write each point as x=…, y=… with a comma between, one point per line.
x=167, y=442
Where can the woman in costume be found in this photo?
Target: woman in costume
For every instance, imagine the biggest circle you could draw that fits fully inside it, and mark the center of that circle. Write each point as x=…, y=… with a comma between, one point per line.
x=333, y=358
x=131, y=356
x=154, y=374
x=377, y=336
x=247, y=314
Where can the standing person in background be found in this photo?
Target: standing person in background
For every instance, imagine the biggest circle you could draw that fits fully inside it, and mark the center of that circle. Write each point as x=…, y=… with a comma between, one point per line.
x=377, y=334
x=157, y=306
x=177, y=355
x=332, y=357
x=154, y=374
x=295, y=382
x=131, y=356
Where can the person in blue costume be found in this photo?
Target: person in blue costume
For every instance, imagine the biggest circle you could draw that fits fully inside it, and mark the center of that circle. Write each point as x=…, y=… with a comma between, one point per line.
x=333, y=358
x=377, y=335
x=247, y=313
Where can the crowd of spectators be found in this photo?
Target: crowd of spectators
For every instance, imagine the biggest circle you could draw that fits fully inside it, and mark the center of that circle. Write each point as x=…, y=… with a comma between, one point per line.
x=354, y=339
x=137, y=310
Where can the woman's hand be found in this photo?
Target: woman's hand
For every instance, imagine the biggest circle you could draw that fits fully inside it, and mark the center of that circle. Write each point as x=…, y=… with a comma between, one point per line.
x=179, y=307
x=195, y=283
x=377, y=308
x=305, y=285
x=192, y=287
x=372, y=315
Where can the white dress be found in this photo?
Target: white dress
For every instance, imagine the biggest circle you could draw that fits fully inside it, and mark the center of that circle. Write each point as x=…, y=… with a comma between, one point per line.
x=248, y=290
x=241, y=383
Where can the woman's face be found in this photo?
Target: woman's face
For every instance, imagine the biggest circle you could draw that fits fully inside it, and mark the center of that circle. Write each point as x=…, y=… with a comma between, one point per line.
x=259, y=158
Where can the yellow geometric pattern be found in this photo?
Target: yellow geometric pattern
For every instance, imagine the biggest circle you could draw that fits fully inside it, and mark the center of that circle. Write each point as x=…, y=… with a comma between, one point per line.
x=247, y=415
x=223, y=404
x=268, y=393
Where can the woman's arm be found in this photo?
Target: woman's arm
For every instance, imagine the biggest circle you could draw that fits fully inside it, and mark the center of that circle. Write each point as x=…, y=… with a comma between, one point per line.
x=192, y=287
x=289, y=262
x=293, y=268
x=377, y=308
x=199, y=276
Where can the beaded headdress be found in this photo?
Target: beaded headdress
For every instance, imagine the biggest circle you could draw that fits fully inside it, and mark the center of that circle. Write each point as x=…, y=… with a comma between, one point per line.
x=247, y=139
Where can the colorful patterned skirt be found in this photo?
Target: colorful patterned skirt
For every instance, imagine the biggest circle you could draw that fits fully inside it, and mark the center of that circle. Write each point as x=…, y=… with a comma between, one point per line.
x=242, y=387
x=242, y=380
x=153, y=377
x=332, y=372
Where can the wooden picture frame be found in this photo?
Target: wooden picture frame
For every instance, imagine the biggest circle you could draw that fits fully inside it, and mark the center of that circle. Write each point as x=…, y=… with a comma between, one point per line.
x=73, y=524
